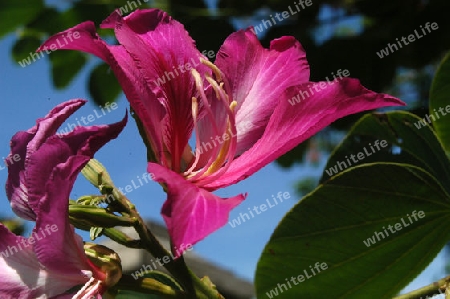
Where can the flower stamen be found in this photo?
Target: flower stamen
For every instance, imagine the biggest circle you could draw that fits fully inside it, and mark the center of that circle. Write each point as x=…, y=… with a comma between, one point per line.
x=197, y=136
x=213, y=67
x=224, y=154
x=199, y=84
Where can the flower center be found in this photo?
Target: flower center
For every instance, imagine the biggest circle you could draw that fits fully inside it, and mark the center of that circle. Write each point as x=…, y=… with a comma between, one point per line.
x=221, y=156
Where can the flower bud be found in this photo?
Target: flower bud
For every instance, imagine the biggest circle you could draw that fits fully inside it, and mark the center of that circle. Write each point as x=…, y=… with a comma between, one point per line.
x=99, y=217
x=96, y=173
x=106, y=260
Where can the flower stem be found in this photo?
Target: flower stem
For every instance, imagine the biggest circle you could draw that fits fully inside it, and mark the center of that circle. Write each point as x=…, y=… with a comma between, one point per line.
x=194, y=287
x=149, y=286
x=96, y=173
x=435, y=288
x=121, y=238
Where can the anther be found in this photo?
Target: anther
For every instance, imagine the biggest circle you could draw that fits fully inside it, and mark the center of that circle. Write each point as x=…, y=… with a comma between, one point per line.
x=213, y=67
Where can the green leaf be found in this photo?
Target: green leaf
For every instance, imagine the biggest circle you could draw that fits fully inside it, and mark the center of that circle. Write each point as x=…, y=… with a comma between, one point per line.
x=331, y=224
x=440, y=102
x=65, y=66
x=103, y=85
x=49, y=21
x=17, y=13
x=24, y=50
x=406, y=144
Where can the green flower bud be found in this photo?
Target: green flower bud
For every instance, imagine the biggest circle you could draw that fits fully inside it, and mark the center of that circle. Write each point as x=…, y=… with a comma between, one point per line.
x=96, y=173
x=106, y=260
x=95, y=216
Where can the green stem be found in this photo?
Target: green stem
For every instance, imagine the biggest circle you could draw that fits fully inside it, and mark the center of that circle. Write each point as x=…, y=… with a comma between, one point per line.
x=192, y=285
x=435, y=288
x=121, y=238
x=148, y=286
x=195, y=288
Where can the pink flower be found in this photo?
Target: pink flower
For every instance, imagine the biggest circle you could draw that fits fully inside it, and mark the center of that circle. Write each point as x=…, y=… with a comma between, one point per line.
x=52, y=260
x=238, y=108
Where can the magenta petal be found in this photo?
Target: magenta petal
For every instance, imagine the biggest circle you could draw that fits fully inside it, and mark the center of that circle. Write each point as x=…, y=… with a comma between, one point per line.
x=50, y=174
x=83, y=142
x=22, y=276
x=47, y=126
x=68, y=296
x=191, y=213
x=164, y=53
x=141, y=98
x=19, y=266
x=293, y=124
x=23, y=145
x=40, y=150
x=45, y=180
x=258, y=78
x=159, y=45
x=84, y=38
x=61, y=245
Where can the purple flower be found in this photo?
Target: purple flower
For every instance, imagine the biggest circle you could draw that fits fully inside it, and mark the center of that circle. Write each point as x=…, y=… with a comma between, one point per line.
x=51, y=261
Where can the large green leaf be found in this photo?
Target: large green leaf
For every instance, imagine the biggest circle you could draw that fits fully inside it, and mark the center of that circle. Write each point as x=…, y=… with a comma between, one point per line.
x=405, y=144
x=17, y=13
x=440, y=102
x=331, y=224
x=49, y=21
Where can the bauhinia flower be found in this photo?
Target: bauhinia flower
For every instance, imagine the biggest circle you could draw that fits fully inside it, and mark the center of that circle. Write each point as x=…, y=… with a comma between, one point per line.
x=51, y=263
x=238, y=108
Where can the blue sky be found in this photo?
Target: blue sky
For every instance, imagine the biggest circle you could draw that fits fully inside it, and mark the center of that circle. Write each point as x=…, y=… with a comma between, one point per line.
x=27, y=94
